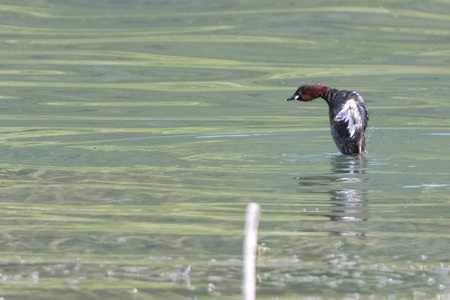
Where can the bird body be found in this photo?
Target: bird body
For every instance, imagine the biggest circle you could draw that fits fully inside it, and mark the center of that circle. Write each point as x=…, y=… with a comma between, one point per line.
x=348, y=115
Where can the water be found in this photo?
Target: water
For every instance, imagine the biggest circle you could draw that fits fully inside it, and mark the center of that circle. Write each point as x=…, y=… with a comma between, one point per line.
x=134, y=133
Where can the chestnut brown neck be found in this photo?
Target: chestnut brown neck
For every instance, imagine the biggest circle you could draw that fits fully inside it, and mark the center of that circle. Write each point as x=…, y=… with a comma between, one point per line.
x=313, y=91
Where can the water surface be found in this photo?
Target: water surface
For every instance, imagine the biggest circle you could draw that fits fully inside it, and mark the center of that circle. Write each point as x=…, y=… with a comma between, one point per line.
x=134, y=134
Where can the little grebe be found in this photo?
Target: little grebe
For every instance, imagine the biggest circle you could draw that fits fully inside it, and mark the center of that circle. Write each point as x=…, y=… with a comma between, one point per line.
x=348, y=115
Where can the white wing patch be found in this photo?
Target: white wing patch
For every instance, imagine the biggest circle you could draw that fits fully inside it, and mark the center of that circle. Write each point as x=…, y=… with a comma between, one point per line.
x=350, y=114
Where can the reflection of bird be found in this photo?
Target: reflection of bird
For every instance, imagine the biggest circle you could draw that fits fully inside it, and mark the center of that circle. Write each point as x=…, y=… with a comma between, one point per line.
x=348, y=115
x=349, y=204
x=184, y=276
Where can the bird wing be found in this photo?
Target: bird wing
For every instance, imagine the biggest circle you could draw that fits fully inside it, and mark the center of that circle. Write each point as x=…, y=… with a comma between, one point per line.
x=350, y=114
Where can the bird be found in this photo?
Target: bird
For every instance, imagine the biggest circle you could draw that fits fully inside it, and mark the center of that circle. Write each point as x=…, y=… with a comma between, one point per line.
x=348, y=115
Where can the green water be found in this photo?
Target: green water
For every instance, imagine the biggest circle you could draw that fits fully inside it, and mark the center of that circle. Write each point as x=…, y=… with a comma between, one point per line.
x=134, y=133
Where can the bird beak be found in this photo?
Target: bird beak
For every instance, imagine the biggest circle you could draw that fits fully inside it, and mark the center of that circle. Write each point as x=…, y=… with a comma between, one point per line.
x=293, y=97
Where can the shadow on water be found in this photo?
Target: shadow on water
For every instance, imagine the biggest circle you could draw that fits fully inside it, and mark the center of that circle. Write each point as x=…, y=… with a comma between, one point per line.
x=344, y=184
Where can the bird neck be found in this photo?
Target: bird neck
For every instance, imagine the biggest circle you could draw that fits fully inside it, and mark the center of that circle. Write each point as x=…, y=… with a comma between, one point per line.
x=329, y=93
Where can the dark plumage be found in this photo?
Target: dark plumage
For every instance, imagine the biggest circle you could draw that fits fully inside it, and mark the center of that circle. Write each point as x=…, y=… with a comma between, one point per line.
x=348, y=115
